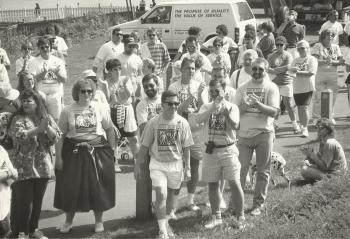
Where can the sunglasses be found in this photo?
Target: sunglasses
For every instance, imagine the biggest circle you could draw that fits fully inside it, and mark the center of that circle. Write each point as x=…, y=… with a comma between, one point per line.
x=151, y=35
x=170, y=104
x=258, y=69
x=27, y=49
x=44, y=47
x=218, y=45
x=133, y=46
x=86, y=91
x=118, y=34
x=279, y=44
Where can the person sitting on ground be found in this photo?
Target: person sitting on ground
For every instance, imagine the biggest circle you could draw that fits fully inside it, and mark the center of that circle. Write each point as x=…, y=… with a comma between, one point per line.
x=330, y=160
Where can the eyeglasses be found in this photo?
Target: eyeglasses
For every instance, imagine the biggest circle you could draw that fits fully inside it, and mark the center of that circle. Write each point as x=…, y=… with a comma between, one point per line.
x=319, y=127
x=279, y=44
x=217, y=45
x=151, y=35
x=258, y=69
x=133, y=46
x=86, y=91
x=44, y=47
x=170, y=104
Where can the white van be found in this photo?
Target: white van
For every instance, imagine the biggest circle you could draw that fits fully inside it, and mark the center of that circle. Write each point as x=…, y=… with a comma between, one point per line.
x=173, y=18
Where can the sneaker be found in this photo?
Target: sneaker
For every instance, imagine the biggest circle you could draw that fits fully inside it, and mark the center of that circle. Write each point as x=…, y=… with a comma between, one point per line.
x=296, y=128
x=214, y=222
x=256, y=211
x=22, y=235
x=240, y=223
x=193, y=207
x=99, y=227
x=304, y=132
x=207, y=204
x=170, y=230
x=172, y=215
x=163, y=235
x=117, y=169
x=66, y=227
x=38, y=235
x=333, y=121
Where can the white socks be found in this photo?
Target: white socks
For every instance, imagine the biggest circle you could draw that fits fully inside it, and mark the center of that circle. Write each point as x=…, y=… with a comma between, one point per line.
x=162, y=225
x=190, y=198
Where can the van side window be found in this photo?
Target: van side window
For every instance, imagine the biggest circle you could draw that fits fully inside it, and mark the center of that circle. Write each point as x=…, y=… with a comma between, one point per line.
x=160, y=15
x=242, y=11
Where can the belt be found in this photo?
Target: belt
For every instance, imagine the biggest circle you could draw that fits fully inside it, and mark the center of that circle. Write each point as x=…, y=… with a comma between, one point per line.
x=222, y=146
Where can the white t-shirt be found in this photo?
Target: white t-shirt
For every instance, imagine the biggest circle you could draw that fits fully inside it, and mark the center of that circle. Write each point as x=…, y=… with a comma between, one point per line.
x=336, y=26
x=84, y=122
x=131, y=65
x=50, y=85
x=253, y=121
x=183, y=90
x=166, y=139
x=4, y=57
x=216, y=128
x=242, y=78
x=206, y=64
x=5, y=191
x=224, y=56
x=109, y=50
x=147, y=108
x=228, y=42
x=183, y=46
x=4, y=78
x=61, y=44
x=303, y=84
x=20, y=63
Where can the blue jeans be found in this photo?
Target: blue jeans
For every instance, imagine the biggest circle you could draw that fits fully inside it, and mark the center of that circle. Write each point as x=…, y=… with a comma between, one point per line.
x=262, y=144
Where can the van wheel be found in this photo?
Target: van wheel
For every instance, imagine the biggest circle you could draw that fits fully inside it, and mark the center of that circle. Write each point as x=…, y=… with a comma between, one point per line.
x=125, y=156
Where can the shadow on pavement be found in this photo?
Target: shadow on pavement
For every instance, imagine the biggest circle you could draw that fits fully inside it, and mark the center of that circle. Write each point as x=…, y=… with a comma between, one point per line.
x=50, y=213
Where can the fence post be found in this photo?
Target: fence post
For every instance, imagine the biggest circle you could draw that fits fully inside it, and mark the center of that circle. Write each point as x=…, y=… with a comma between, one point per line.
x=144, y=192
x=327, y=104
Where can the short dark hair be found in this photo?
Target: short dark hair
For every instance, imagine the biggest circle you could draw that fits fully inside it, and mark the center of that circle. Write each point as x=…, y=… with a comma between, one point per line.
x=116, y=30
x=268, y=26
x=249, y=35
x=26, y=44
x=218, y=40
x=167, y=94
x=21, y=76
x=78, y=84
x=327, y=123
x=192, y=39
x=223, y=29
x=111, y=63
x=187, y=60
x=222, y=82
x=194, y=30
x=42, y=41
x=41, y=108
x=55, y=27
x=149, y=77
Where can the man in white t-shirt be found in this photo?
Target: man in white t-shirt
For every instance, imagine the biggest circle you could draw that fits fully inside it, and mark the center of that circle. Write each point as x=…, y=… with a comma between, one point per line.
x=240, y=76
x=167, y=137
x=150, y=105
x=109, y=50
x=333, y=24
x=222, y=32
x=258, y=102
x=192, y=31
x=26, y=56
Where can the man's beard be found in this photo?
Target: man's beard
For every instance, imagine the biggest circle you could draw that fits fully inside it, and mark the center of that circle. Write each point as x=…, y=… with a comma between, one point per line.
x=151, y=93
x=257, y=76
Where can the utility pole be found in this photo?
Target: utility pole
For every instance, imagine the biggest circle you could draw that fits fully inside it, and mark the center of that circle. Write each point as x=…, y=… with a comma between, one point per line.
x=131, y=10
x=127, y=5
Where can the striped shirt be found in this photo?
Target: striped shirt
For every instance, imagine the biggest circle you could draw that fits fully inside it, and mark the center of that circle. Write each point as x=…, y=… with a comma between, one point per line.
x=160, y=55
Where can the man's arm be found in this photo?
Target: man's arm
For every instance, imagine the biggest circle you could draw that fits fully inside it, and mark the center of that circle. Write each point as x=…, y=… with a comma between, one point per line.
x=232, y=116
x=203, y=116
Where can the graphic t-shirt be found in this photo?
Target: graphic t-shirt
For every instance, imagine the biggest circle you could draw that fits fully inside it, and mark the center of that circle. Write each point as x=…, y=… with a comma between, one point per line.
x=183, y=91
x=253, y=121
x=216, y=128
x=147, y=108
x=50, y=85
x=301, y=83
x=84, y=122
x=277, y=59
x=167, y=138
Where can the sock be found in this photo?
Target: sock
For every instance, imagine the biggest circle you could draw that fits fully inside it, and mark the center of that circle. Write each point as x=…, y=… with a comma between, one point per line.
x=217, y=214
x=162, y=225
x=190, y=198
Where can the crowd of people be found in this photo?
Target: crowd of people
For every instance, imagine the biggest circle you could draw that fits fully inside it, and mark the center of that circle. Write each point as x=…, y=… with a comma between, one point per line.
x=219, y=108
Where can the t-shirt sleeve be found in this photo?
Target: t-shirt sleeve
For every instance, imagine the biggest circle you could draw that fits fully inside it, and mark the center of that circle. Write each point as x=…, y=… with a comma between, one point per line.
x=332, y=155
x=313, y=65
x=234, y=114
x=141, y=113
x=209, y=42
x=186, y=139
x=273, y=97
x=101, y=54
x=147, y=137
x=106, y=120
x=63, y=123
x=315, y=50
x=233, y=79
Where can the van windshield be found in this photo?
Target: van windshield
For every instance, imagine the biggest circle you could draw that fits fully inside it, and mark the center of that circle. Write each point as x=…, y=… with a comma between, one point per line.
x=159, y=15
x=242, y=11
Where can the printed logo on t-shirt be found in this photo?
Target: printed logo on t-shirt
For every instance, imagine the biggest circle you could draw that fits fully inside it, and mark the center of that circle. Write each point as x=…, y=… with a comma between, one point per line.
x=258, y=92
x=166, y=137
x=85, y=121
x=217, y=124
x=183, y=96
x=302, y=66
x=153, y=111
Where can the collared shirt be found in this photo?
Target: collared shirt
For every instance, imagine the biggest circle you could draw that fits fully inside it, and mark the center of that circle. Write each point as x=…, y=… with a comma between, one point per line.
x=159, y=54
x=293, y=32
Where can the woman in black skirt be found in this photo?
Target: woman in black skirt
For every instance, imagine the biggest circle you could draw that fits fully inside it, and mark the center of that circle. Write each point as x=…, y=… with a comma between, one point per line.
x=85, y=177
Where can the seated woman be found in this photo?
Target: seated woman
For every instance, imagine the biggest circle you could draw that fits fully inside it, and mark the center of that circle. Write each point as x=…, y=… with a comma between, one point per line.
x=330, y=160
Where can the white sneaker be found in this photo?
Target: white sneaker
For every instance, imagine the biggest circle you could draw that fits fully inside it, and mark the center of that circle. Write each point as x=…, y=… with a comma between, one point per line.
x=172, y=215
x=223, y=204
x=304, y=132
x=193, y=207
x=296, y=128
x=99, y=227
x=66, y=227
x=214, y=222
x=333, y=121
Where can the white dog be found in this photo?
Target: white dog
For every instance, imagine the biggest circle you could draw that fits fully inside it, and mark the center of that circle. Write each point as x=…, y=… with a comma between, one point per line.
x=278, y=164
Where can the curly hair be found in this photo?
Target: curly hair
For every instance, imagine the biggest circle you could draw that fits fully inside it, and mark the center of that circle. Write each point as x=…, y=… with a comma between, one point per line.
x=223, y=29
x=77, y=86
x=41, y=110
x=326, y=123
x=326, y=32
x=21, y=77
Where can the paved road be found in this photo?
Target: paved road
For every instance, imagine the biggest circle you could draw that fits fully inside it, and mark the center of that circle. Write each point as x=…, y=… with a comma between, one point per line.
x=125, y=183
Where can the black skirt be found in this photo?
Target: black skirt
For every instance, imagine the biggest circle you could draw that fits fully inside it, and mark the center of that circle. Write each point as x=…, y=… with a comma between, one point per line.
x=87, y=180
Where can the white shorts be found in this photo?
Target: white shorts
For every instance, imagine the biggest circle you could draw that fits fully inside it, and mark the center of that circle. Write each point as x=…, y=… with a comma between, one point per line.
x=166, y=174
x=286, y=90
x=223, y=163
